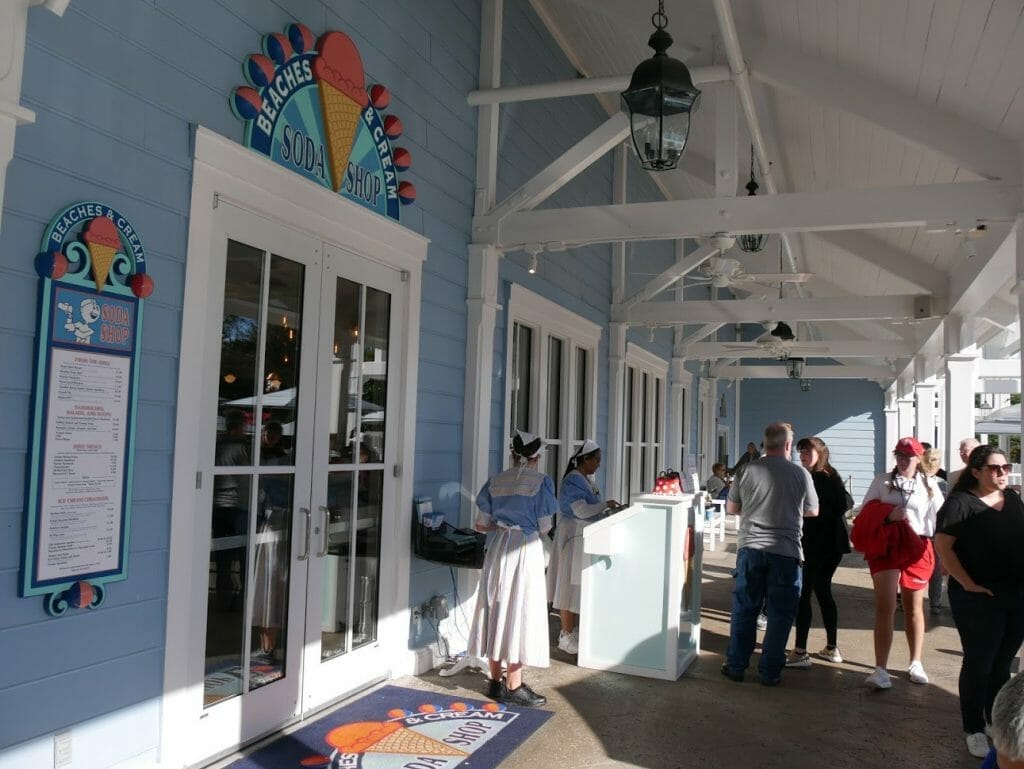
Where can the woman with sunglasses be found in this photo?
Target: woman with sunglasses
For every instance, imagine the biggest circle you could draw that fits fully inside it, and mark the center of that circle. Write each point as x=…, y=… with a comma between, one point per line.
x=915, y=499
x=980, y=535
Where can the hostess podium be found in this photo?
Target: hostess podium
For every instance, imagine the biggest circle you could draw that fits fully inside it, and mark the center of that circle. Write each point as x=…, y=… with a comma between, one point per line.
x=641, y=588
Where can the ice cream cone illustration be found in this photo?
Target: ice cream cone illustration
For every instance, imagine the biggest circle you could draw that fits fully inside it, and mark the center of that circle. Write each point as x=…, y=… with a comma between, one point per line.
x=387, y=737
x=104, y=242
x=341, y=83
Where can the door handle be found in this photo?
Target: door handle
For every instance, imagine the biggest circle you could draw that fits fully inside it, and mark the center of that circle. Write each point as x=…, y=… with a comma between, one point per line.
x=309, y=525
x=327, y=519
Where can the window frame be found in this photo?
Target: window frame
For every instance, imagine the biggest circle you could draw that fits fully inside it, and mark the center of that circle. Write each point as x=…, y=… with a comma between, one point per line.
x=549, y=320
x=649, y=453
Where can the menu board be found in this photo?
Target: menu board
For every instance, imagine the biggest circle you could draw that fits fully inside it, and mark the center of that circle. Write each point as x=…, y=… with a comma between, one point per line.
x=79, y=491
x=83, y=476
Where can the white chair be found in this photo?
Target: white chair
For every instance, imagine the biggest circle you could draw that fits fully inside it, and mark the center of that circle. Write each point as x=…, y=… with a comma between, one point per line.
x=714, y=522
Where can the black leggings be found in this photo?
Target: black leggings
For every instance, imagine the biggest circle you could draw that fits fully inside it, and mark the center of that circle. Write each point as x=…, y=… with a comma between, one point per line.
x=818, y=579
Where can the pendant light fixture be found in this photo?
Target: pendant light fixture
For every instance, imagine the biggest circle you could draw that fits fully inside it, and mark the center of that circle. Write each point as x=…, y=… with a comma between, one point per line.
x=659, y=99
x=752, y=243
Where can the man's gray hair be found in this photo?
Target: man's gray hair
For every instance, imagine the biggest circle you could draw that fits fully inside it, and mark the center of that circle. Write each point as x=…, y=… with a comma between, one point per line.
x=777, y=435
x=1008, y=719
x=969, y=444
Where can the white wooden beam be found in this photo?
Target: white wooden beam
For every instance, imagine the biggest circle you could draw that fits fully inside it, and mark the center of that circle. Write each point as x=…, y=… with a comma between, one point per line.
x=561, y=171
x=876, y=253
x=967, y=144
x=895, y=307
x=579, y=87
x=670, y=275
x=725, y=141
x=979, y=278
x=828, y=348
x=488, y=117
x=884, y=207
x=810, y=372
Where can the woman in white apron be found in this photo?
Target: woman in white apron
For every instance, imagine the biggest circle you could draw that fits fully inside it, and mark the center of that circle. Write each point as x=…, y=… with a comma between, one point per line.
x=579, y=499
x=510, y=623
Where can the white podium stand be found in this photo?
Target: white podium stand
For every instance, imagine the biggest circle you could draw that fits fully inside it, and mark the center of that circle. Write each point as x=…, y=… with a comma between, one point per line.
x=641, y=591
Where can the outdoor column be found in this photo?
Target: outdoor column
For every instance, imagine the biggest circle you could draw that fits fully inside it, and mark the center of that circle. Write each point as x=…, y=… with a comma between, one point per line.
x=1019, y=261
x=892, y=423
x=481, y=321
x=674, y=437
x=924, y=428
x=905, y=415
x=959, y=405
x=616, y=427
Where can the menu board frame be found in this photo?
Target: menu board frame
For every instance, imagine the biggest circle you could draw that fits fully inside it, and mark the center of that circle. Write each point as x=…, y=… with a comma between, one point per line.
x=93, y=283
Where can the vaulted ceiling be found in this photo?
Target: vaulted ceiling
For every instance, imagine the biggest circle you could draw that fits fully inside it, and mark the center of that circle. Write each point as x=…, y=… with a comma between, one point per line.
x=892, y=133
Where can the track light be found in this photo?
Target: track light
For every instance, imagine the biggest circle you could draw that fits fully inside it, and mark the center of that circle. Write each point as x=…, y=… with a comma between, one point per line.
x=534, y=265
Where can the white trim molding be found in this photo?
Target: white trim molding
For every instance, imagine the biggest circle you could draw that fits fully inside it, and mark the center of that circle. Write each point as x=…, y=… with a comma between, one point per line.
x=13, y=28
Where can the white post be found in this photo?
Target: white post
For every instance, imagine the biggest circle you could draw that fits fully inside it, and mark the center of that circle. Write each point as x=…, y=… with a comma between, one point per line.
x=13, y=25
x=892, y=424
x=905, y=411
x=924, y=427
x=617, y=346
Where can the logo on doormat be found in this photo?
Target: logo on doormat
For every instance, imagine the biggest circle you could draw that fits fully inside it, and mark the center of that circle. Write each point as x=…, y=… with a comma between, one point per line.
x=431, y=737
x=307, y=108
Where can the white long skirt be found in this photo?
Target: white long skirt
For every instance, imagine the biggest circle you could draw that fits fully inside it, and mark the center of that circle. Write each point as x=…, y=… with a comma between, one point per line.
x=510, y=620
x=565, y=569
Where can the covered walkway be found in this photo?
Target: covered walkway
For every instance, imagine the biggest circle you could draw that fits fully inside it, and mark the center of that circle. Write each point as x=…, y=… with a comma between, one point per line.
x=823, y=716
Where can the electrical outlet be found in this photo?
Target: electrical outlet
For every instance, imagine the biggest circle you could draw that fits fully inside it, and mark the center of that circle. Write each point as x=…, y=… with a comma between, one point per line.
x=62, y=749
x=417, y=618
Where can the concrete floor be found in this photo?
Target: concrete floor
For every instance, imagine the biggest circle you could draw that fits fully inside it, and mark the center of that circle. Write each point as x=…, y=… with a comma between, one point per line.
x=822, y=716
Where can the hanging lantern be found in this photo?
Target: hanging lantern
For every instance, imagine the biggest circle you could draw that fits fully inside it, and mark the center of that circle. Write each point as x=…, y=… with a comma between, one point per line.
x=659, y=99
x=752, y=243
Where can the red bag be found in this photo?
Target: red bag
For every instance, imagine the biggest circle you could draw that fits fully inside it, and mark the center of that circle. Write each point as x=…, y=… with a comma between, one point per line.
x=669, y=483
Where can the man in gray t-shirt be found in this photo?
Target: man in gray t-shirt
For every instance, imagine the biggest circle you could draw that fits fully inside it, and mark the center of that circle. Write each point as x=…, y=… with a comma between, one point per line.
x=772, y=496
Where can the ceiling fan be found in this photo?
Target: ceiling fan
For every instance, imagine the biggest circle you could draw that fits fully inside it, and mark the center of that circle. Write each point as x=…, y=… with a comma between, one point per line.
x=724, y=272
x=779, y=340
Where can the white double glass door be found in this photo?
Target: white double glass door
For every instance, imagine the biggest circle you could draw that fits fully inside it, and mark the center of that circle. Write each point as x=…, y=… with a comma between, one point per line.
x=299, y=451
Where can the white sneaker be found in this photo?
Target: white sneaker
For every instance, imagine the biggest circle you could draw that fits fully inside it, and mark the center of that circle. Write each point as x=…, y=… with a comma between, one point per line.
x=762, y=621
x=916, y=673
x=563, y=639
x=977, y=744
x=572, y=644
x=879, y=679
x=832, y=655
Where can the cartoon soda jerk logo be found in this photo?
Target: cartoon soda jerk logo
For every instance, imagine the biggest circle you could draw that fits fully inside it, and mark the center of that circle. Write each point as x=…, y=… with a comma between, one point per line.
x=431, y=737
x=307, y=107
x=97, y=276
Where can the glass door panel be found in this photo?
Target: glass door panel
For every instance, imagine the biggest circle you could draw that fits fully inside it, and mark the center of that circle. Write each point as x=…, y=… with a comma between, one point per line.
x=352, y=447
x=259, y=424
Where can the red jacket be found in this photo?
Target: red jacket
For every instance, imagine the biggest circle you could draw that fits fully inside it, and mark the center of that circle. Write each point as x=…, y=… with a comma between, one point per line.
x=875, y=538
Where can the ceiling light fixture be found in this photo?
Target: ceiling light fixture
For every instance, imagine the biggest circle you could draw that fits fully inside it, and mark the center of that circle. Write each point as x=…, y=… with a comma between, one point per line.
x=753, y=242
x=805, y=385
x=795, y=368
x=534, y=265
x=659, y=100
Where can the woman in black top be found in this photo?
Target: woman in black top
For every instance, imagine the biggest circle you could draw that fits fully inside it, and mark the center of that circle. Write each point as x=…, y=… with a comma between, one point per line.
x=825, y=539
x=980, y=535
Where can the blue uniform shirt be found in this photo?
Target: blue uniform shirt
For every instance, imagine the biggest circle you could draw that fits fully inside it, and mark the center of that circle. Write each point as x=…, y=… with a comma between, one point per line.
x=518, y=497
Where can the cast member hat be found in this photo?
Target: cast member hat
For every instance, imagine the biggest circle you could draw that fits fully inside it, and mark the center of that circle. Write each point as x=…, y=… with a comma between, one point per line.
x=588, y=447
x=527, y=445
x=909, y=446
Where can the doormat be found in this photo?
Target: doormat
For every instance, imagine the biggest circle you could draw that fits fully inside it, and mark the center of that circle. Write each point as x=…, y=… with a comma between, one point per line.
x=398, y=728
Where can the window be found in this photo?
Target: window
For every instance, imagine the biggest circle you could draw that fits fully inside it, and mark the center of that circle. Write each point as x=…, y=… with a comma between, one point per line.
x=552, y=379
x=644, y=410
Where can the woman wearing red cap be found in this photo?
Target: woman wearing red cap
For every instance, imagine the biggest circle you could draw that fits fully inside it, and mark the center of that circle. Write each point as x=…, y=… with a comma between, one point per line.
x=916, y=500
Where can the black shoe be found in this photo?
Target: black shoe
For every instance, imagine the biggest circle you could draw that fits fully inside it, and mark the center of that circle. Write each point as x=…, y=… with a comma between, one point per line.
x=730, y=674
x=765, y=681
x=494, y=688
x=524, y=696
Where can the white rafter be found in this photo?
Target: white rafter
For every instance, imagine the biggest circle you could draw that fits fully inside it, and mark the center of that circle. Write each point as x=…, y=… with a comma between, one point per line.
x=670, y=275
x=895, y=307
x=985, y=152
x=810, y=372
x=877, y=254
x=883, y=207
x=827, y=348
x=561, y=171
